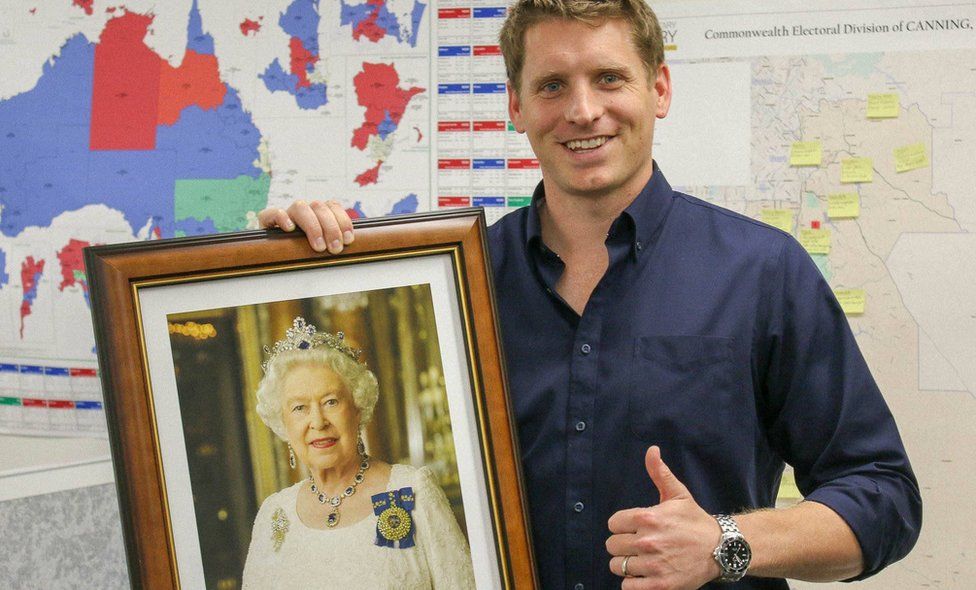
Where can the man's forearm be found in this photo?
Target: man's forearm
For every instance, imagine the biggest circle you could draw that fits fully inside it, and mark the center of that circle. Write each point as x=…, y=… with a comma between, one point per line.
x=808, y=541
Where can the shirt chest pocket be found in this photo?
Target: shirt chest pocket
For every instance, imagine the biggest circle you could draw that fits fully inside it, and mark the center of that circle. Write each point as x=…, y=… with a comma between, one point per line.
x=681, y=389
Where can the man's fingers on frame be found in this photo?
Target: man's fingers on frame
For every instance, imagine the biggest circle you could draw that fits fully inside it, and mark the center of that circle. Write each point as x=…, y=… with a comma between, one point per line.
x=330, y=226
x=306, y=219
x=345, y=223
x=283, y=220
x=267, y=218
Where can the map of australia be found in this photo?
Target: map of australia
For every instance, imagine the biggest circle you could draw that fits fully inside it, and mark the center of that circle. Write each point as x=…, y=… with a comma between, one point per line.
x=112, y=123
x=138, y=126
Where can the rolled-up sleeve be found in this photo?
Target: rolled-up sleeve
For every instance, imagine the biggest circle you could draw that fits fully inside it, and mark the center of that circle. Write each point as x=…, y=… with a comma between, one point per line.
x=828, y=419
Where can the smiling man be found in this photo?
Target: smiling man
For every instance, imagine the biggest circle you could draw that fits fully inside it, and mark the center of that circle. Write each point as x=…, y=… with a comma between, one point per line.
x=639, y=322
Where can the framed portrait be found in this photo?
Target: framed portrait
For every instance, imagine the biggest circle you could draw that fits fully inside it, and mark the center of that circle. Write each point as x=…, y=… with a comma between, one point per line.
x=285, y=418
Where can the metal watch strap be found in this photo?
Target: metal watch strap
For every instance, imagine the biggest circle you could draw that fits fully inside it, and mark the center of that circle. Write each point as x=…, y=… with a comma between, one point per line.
x=728, y=524
x=729, y=530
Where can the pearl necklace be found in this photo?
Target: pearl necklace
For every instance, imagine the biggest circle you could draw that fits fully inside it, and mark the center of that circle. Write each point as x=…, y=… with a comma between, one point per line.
x=333, y=519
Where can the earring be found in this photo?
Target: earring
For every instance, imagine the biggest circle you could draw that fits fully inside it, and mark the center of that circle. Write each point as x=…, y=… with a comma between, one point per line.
x=291, y=457
x=361, y=446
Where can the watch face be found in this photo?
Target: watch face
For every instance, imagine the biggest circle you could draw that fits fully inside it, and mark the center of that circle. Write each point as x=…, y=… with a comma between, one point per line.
x=735, y=555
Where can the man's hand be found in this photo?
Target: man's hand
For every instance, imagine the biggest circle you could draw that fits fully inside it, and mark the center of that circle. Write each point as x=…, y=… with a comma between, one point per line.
x=325, y=223
x=670, y=545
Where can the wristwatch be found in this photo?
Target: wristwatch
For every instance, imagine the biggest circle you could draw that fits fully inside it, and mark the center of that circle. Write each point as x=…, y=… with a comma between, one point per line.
x=733, y=553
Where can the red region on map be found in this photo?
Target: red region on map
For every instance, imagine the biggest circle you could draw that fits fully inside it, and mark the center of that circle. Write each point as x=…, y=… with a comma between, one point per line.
x=72, y=261
x=195, y=82
x=378, y=89
x=352, y=213
x=249, y=26
x=301, y=59
x=126, y=87
x=30, y=273
x=85, y=5
x=370, y=176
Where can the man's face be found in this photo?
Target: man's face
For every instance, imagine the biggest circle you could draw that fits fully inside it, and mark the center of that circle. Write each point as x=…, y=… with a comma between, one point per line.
x=588, y=107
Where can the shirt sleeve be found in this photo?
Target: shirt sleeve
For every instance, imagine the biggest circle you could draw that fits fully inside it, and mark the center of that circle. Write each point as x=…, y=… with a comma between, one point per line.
x=827, y=418
x=438, y=534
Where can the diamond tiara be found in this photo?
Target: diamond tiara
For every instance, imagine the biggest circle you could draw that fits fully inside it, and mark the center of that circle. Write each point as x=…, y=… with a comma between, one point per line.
x=304, y=336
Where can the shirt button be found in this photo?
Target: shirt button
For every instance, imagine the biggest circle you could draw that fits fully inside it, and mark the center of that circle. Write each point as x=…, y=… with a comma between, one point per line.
x=580, y=426
x=578, y=507
x=585, y=349
x=579, y=586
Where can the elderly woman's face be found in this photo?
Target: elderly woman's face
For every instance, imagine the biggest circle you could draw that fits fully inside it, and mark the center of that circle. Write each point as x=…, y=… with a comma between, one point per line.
x=321, y=419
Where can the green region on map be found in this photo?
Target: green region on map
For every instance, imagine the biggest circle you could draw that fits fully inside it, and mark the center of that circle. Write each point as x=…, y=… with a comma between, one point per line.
x=225, y=202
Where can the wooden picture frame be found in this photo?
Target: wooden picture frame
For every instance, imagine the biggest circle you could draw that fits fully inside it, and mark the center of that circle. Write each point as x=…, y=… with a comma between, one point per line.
x=148, y=297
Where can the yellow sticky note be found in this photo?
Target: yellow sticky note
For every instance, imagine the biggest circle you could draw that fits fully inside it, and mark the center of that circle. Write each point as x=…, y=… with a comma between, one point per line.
x=843, y=205
x=856, y=170
x=851, y=300
x=883, y=106
x=806, y=153
x=911, y=157
x=815, y=241
x=788, y=492
x=781, y=218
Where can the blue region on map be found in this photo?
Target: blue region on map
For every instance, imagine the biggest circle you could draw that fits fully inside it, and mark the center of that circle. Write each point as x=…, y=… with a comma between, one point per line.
x=197, y=40
x=377, y=12
x=212, y=144
x=416, y=15
x=386, y=126
x=301, y=21
x=47, y=169
x=31, y=294
x=4, y=277
x=405, y=205
x=308, y=98
x=44, y=142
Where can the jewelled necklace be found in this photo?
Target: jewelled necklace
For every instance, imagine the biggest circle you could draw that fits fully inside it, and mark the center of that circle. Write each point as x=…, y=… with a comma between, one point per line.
x=333, y=519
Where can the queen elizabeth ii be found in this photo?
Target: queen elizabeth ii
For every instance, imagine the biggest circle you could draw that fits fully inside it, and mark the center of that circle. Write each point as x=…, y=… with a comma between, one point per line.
x=355, y=521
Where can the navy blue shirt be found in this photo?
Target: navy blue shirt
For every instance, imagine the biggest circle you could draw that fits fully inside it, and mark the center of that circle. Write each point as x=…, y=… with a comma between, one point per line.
x=713, y=336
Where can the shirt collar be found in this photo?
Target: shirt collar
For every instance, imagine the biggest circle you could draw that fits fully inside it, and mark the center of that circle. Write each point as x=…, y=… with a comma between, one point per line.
x=645, y=214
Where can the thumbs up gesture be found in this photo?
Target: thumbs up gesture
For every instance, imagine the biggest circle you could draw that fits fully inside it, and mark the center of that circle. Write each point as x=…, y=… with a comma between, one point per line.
x=665, y=546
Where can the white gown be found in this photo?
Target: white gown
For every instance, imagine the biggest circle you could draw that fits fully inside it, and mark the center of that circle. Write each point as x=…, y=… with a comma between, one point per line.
x=348, y=557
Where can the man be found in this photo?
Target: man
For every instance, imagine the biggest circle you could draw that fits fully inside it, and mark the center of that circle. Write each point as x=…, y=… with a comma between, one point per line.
x=639, y=322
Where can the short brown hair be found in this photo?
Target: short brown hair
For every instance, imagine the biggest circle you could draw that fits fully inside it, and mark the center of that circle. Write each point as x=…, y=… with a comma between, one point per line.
x=523, y=14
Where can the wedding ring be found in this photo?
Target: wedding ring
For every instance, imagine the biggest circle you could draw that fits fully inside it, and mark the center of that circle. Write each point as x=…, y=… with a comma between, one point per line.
x=623, y=566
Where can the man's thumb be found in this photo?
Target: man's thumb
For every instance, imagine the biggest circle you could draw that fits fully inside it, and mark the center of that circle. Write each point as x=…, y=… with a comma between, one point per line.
x=667, y=484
